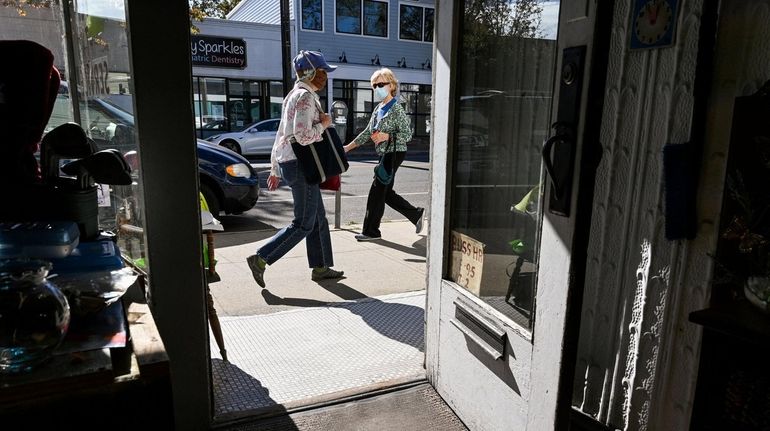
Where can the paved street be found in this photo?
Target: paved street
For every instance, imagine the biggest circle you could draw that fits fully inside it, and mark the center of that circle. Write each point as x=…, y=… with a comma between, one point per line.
x=274, y=209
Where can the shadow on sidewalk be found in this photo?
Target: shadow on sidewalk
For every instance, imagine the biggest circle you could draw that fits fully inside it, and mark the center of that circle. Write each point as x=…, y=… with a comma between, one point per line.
x=236, y=392
x=418, y=248
x=395, y=321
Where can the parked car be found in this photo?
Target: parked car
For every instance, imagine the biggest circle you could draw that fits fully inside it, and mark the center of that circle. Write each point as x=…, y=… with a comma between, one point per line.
x=227, y=180
x=255, y=140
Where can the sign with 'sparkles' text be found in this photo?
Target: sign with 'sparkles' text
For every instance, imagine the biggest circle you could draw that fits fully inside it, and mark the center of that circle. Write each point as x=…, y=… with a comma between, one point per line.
x=215, y=51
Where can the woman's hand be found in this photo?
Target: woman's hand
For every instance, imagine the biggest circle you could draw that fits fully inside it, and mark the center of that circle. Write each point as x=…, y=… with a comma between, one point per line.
x=349, y=147
x=326, y=120
x=380, y=137
x=272, y=182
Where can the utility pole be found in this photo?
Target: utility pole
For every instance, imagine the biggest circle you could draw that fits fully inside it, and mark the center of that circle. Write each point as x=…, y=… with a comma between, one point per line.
x=285, y=46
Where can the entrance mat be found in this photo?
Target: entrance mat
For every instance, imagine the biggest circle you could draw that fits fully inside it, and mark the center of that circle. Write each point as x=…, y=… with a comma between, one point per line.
x=418, y=408
x=309, y=356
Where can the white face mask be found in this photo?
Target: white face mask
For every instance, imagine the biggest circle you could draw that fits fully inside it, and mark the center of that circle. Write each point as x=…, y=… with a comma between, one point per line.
x=381, y=93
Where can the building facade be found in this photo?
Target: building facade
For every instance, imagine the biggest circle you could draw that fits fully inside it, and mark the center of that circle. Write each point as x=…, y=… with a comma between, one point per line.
x=234, y=85
x=360, y=37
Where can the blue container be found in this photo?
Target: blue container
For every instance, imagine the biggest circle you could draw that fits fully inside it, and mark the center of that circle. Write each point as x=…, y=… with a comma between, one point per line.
x=89, y=256
x=38, y=239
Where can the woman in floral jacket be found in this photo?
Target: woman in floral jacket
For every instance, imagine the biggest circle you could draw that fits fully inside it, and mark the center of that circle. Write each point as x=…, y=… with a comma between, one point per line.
x=390, y=131
x=303, y=122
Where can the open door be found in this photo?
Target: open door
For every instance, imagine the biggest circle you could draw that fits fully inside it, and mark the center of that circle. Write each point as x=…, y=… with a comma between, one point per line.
x=511, y=96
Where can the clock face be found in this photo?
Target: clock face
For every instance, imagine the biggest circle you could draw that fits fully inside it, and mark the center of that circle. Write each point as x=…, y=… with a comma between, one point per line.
x=653, y=21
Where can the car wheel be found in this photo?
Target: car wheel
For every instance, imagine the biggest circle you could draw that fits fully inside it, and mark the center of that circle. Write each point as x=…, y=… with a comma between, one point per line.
x=232, y=146
x=211, y=199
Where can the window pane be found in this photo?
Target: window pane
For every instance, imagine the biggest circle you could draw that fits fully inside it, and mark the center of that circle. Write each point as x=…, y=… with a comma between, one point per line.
x=255, y=110
x=212, y=100
x=236, y=87
x=254, y=89
x=107, y=108
x=503, y=107
x=428, y=35
x=424, y=103
x=276, y=99
x=375, y=18
x=411, y=23
x=349, y=16
x=312, y=15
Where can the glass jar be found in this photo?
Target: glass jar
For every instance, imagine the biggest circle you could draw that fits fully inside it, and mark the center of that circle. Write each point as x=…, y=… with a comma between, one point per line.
x=34, y=315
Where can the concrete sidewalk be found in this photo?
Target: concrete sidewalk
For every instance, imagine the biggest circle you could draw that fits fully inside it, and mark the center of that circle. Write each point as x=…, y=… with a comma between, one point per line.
x=394, y=264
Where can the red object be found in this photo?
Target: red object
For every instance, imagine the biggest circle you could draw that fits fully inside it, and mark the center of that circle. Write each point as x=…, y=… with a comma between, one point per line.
x=29, y=84
x=332, y=183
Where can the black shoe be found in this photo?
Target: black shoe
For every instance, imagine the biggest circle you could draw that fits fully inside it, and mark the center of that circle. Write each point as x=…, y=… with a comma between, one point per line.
x=418, y=225
x=257, y=271
x=361, y=237
x=327, y=274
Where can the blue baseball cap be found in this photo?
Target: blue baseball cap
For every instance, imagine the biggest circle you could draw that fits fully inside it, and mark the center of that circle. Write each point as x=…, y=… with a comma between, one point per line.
x=311, y=60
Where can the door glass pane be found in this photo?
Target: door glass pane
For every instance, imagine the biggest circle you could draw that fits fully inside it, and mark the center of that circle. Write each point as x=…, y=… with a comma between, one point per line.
x=237, y=114
x=505, y=87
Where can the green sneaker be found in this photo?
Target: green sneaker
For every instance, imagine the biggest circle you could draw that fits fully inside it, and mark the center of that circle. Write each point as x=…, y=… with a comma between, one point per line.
x=257, y=266
x=325, y=274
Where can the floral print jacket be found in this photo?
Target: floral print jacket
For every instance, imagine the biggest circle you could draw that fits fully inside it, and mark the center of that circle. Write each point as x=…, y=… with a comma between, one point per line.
x=301, y=120
x=394, y=122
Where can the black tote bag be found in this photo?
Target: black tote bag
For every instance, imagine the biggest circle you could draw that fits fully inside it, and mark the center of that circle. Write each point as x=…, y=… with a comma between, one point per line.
x=323, y=159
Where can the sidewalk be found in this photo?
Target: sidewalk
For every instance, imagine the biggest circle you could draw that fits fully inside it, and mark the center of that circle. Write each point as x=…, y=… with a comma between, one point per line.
x=299, y=342
x=394, y=264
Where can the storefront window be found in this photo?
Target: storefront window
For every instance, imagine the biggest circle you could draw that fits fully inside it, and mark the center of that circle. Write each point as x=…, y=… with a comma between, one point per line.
x=213, y=102
x=417, y=103
x=96, y=93
x=276, y=99
x=503, y=105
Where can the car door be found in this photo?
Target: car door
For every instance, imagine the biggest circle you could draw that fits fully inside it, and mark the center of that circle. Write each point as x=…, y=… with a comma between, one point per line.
x=507, y=153
x=260, y=137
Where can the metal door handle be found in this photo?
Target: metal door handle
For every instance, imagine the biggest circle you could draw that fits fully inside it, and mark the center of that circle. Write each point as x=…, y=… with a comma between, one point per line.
x=553, y=155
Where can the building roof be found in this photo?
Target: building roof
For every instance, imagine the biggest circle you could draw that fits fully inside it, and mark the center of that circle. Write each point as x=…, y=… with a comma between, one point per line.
x=260, y=11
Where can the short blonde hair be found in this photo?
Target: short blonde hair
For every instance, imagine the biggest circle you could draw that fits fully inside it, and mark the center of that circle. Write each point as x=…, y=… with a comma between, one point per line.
x=389, y=76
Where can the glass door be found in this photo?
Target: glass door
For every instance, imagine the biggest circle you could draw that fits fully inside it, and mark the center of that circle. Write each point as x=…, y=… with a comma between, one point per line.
x=507, y=103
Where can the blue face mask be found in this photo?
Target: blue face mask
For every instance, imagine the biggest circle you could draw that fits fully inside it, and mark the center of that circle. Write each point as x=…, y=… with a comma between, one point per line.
x=381, y=93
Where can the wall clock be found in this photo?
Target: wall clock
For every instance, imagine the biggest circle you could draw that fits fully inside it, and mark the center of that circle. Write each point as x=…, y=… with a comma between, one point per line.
x=652, y=23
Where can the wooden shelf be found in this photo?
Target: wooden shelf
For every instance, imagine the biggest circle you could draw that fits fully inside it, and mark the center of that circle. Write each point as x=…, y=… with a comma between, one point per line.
x=737, y=319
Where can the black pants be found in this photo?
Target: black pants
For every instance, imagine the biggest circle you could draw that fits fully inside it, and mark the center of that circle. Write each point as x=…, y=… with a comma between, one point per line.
x=380, y=194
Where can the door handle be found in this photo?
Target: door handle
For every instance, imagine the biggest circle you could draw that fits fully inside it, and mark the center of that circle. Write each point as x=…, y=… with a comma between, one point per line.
x=559, y=151
x=564, y=137
x=486, y=334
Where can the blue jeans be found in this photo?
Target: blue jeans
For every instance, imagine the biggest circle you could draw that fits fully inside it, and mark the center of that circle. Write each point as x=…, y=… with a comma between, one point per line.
x=309, y=223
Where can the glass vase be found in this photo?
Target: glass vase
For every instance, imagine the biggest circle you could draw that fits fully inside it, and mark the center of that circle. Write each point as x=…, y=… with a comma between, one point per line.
x=34, y=315
x=757, y=291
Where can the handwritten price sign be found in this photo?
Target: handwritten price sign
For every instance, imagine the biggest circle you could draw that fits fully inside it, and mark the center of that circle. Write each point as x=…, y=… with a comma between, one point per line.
x=467, y=262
